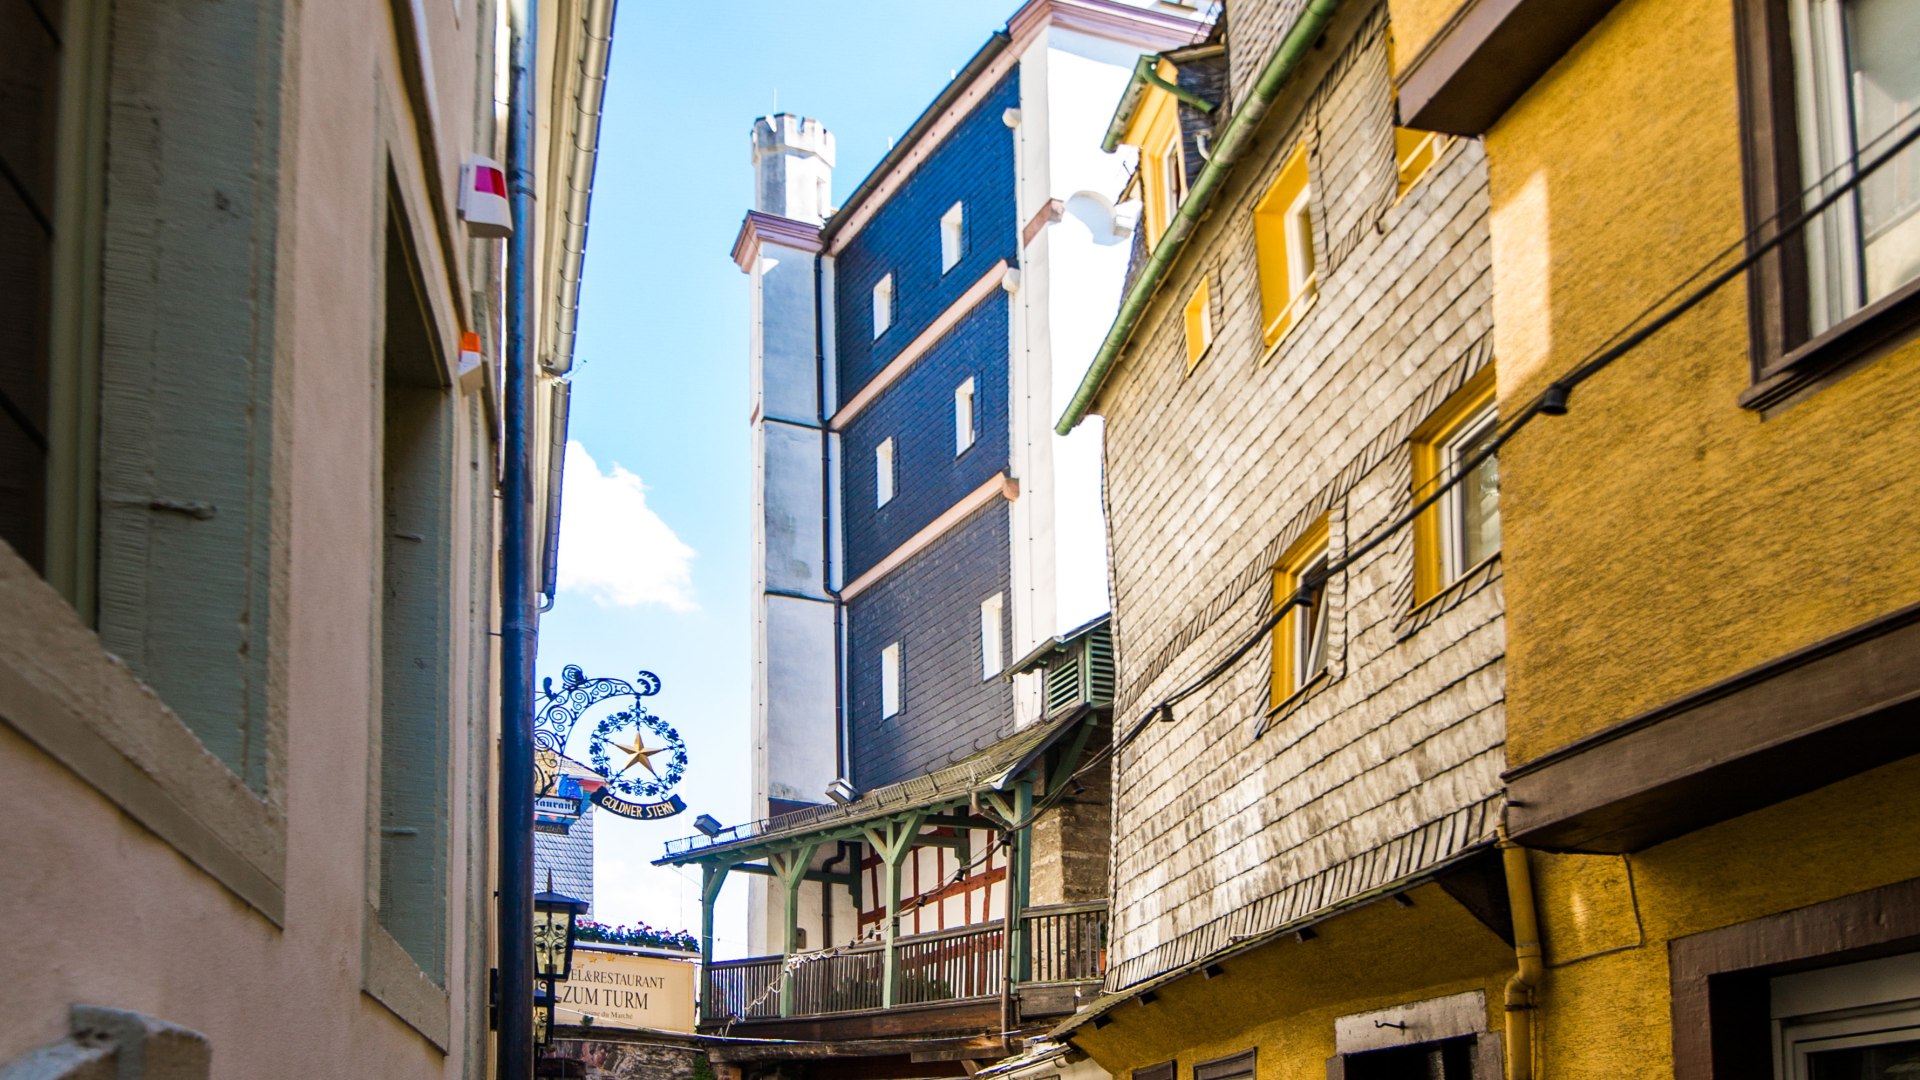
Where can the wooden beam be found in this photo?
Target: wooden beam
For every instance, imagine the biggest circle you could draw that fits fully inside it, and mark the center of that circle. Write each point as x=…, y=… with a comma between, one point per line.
x=791, y=868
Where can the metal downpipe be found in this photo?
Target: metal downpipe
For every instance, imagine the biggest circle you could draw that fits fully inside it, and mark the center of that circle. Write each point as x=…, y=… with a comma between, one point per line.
x=1233, y=142
x=519, y=621
x=1526, y=950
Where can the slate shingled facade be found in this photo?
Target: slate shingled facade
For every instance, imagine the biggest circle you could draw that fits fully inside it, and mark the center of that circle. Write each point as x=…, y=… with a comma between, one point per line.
x=1234, y=821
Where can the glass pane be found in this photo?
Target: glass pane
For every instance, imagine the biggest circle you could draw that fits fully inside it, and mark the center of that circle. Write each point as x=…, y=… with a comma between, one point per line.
x=1883, y=51
x=1478, y=498
x=1888, y=1061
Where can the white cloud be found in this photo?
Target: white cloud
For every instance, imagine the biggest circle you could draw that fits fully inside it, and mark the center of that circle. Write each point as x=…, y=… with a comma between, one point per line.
x=613, y=547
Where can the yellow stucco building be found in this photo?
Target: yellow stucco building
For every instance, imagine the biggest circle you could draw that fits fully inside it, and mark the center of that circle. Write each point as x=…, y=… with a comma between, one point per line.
x=1713, y=645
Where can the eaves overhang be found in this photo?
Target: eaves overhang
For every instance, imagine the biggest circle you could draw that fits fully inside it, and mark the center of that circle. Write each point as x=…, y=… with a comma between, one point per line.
x=1486, y=56
x=1107, y=1002
x=759, y=228
x=993, y=769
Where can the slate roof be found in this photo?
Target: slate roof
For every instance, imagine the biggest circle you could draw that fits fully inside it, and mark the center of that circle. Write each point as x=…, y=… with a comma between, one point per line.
x=991, y=769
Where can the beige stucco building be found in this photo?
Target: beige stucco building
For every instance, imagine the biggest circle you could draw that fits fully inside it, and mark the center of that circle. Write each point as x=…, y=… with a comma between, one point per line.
x=248, y=705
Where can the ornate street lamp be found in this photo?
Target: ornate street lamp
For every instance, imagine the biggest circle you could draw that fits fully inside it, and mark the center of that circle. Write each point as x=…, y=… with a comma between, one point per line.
x=553, y=937
x=554, y=932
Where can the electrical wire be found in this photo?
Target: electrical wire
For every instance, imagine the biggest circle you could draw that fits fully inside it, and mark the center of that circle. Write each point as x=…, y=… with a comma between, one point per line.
x=1553, y=400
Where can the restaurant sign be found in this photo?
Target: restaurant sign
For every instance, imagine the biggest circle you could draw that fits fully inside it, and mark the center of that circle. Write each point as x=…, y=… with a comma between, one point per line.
x=627, y=990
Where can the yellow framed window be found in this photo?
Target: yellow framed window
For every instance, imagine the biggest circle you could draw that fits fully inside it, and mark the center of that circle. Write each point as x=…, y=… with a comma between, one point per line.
x=1461, y=529
x=1163, y=174
x=1300, y=638
x=1283, y=244
x=1199, y=320
x=1414, y=153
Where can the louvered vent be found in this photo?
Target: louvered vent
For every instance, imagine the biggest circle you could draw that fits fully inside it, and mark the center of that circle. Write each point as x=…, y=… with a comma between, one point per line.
x=1084, y=675
x=1098, y=656
x=1063, y=685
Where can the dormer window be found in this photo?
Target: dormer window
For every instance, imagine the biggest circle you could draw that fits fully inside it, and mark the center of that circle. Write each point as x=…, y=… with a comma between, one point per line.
x=1153, y=126
x=882, y=305
x=953, y=236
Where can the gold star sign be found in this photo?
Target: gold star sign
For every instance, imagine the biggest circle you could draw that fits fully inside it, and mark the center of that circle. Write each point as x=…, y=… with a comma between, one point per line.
x=638, y=754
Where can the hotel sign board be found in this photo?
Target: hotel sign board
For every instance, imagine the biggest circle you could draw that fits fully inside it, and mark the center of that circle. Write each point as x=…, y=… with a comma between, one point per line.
x=632, y=990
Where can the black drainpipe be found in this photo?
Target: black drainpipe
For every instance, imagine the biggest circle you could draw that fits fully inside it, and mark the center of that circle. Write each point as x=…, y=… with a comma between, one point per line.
x=826, y=516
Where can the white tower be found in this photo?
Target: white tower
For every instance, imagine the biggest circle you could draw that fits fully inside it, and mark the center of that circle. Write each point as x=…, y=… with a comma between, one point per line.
x=792, y=167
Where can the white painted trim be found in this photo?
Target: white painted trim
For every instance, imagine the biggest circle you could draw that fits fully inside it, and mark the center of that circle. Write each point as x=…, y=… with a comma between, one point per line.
x=916, y=348
x=1411, y=1024
x=1149, y=30
x=760, y=228
x=1000, y=484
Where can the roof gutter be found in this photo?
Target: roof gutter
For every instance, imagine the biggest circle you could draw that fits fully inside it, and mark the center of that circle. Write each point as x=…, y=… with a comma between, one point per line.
x=596, y=45
x=1226, y=152
x=1146, y=73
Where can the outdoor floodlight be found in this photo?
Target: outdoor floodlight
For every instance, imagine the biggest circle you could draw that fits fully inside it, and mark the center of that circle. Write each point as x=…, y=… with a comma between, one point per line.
x=842, y=792
x=707, y=824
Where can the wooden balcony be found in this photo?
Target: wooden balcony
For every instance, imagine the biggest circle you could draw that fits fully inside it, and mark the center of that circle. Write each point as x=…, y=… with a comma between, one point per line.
x=1056, y=948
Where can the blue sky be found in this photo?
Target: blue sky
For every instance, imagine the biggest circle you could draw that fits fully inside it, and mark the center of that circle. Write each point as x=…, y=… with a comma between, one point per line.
x=656, y=533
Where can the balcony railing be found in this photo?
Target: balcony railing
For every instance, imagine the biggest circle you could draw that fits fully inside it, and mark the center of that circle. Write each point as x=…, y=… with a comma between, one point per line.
x=1065, y=943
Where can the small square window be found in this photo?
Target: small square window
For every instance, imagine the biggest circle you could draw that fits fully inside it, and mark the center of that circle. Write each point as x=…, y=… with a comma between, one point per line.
x=953, y=236
x=963, y=426
x=1199, y=319
x=1300, y=639
x=991, y=632
x=882, y=305
x=890, y=680
x=883, y=472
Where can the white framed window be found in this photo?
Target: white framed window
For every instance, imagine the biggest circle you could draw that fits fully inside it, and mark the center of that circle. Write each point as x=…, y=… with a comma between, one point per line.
x=890, y=680
x=1173, y=179
x=1300, y=243
x=963, y=417
x=1856, y=80
x=1310, y=627
x=991, y=631
x=883, y=472
x=1851, y=1022
x=1470, y=509
x=882, y=304
x=953, y=236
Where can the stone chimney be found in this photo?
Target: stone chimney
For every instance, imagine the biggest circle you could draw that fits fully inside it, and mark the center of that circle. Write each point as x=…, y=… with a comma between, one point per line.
x=792, y=167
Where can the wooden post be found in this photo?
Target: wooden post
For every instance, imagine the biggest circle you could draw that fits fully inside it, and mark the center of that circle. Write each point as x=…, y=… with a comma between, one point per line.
x=893, y=840
x=712, y=876
x=1019, y=880
x=791, y=868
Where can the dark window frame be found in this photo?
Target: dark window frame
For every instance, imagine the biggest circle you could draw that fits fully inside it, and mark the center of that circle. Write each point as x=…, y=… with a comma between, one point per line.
x=1166, y=1070
x=1787, y=358
x=1226, y=1068
x=1719, y=978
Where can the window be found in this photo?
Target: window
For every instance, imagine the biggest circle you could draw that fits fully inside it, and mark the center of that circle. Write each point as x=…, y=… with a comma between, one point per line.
x=890, y=680
x=1851, y=1022
x=1283, y=245
x=1163, y=171
x=963, y=431
x=883, y=472
x=882, y=305
x=1199, y=319
x=1414, y=153
x=1462, y=529
x=1448, y=1059
x=1858, y=80
x=991, y=633
x=416, y=483
x=953, y=236
x=27, y=253
x=1300, y=639
x=1828, y=83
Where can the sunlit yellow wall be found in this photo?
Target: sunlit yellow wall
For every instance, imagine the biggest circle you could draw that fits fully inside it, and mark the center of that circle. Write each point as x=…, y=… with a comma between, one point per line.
x=1604, y=1011
x=1281, y=1000
x=1415, y=22
x=1661, y=537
